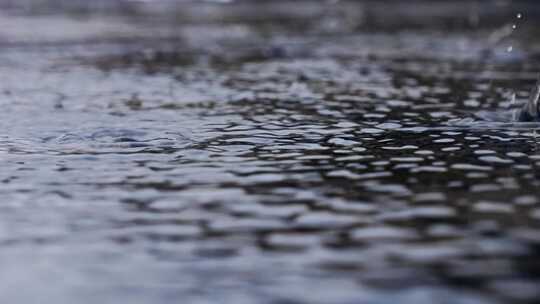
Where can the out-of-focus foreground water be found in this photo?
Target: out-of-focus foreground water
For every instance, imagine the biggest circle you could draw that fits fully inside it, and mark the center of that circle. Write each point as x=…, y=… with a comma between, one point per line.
x=268, y=152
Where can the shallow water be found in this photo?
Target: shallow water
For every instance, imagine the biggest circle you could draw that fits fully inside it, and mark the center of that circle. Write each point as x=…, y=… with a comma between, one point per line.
x=233, y=160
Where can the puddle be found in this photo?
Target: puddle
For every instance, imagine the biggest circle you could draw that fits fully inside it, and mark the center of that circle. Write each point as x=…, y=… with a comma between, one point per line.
x=235, y=159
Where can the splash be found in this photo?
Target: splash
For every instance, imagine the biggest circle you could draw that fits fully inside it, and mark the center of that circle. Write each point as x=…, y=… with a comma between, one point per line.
x=525, y=117
x=530, y=111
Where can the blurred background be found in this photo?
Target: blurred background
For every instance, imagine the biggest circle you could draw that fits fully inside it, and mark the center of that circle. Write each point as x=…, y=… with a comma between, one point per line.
x=326, y=14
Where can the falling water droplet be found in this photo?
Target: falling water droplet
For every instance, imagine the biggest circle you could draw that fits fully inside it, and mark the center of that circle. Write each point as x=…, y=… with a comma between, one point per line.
x=509, y=49
x=514, y=26
x=519, y=16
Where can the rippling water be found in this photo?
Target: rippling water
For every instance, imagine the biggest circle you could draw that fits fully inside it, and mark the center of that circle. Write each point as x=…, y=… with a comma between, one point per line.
x=251, y=161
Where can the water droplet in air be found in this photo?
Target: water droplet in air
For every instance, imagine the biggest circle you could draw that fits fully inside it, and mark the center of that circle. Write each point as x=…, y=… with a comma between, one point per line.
x=509, y=49
x=519, y=16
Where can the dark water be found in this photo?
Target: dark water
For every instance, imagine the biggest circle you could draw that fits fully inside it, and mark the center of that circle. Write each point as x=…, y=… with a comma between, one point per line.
x=219, y=154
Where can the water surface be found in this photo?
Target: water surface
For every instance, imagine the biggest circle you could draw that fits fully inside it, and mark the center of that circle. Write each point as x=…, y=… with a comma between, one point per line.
x=231, y=159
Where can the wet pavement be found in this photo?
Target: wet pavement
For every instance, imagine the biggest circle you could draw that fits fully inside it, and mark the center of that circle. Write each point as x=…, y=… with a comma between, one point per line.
x=197, y=152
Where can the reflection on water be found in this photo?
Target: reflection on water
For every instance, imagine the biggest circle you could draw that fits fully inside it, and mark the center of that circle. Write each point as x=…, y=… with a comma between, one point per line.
x=246, y=162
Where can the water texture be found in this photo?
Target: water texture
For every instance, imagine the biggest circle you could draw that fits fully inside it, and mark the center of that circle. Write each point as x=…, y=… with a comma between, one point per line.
x=194, y=152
